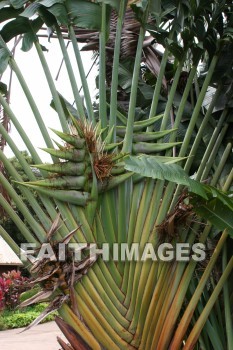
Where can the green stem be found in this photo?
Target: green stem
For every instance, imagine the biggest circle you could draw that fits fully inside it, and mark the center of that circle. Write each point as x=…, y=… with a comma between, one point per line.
x=171, y=95
x=120, y=116
x=52, y=87
x=99, y=276
x=227, y=305
x=158, y=86
x=18, y=222
x=165, y=279
x=165, y=202
x=228, y=181
x=112, y=338
x=116, y=58
x=31, y=101
x=214, y=151
x=27, y=193
x=5, y=235
x=212, y=331
x=86, y=91
x=211, y=145
x=201, y=131
x=124, y=207
x=222, y=162
x=171, y=186
x=128, y=140
x=180, y=295
x=143, y=209
x=47, y=203
x=73, y=320
x=115, y=308
x=21, y=132
x=183, y=325
x=193, y=336
x=111, y=267
x=150, y=286
x=107, y=219
x=192, y=124
x=143, y=270
x=42, y=216
x=136, y=199
x=102, y=71
x=70, y=72
x=80, y=218
x=36, y=227
x=26, y=168
x=197, y=108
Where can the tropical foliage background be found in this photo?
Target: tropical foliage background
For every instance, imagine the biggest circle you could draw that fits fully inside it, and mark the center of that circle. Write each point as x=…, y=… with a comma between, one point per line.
x=137, y=165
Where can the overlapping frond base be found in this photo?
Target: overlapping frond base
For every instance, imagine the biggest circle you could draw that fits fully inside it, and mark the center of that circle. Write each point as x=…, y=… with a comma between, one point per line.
x=134, y=304
x=126, y=298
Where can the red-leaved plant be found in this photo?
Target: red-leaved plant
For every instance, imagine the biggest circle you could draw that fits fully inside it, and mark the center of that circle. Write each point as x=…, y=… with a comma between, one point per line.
x=12, y=284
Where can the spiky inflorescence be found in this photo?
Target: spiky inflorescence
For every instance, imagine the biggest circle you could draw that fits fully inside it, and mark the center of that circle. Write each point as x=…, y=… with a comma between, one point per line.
x=102, y=161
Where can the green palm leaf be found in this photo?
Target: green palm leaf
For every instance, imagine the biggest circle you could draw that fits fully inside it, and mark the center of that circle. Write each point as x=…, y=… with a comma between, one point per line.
x=150, y=167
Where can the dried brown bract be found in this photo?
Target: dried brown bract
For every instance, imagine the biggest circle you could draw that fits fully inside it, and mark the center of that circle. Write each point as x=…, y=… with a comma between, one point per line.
x=56, y=277
x=181, y=216
x=103, y=166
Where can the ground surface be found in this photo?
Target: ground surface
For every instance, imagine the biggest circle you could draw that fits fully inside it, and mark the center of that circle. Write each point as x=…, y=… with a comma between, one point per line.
x=41, y=337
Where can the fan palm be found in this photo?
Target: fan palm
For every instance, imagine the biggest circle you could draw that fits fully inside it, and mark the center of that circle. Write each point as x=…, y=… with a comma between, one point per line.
x=115, y=180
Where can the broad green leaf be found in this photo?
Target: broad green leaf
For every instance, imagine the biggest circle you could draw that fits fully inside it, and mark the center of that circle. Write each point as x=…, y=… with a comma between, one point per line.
x=200, y=28
x=150, y=167
x=4, y=59
x=4, y=3
x=180, y=16
x=59, y=11
x=48, y=18
x=220, y=195
x=160, y=36
x=67, y=107
x=113, y=3
x=30, y=10
x=29, y=38
x=27, y=42
x=210, y=42
x=146, y=90
x=139, y=3
x=187, y=36
x=7, y=13
x=17, y=4
x=155, y=7
x=49, y=3
x=217, y=213
x=168, y=160
x=125, y=77
x=3, y=89
x=44, y=48
x=84, y=14
x=175, y=49
x=20, y=25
